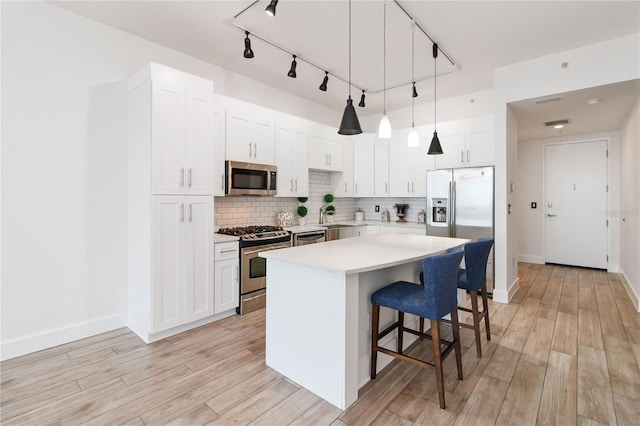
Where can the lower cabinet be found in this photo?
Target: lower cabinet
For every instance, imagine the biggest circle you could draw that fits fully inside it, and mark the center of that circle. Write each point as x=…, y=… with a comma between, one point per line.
x=182, y=261
x=227, y=278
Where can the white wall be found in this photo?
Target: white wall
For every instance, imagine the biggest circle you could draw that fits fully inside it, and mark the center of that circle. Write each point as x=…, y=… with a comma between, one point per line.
x=588, y=66
x=64, y=162
x=531, y=188
x=629, y=213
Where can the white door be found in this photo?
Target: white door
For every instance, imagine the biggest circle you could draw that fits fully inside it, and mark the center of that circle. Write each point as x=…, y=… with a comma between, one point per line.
x=168, y=139
x=198, y=257
x=200, y=143
x=576, y=204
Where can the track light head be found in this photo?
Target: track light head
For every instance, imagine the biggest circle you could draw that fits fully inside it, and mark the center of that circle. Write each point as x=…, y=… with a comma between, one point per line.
x=361, y=104
x=415, y=92
x=292, y=71
x=248, y=52
x=325, y=80
x=271, y=9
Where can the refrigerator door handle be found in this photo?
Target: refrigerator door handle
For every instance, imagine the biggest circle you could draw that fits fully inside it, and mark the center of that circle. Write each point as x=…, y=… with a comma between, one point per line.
x=453, y=209
x=450, y=223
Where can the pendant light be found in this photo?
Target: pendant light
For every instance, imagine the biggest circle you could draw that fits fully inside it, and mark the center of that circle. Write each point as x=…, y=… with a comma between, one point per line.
x=350, y=124
x=384, y=129
x=271, y=9
x=325, y=80
x=413, y=140
x=248, y=52
x=434, y=148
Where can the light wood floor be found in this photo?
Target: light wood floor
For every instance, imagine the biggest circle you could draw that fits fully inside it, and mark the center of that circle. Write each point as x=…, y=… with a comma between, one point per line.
x=565, y=351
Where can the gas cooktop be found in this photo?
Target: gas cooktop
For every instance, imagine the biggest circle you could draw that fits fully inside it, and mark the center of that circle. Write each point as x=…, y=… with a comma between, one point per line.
x=255, y=233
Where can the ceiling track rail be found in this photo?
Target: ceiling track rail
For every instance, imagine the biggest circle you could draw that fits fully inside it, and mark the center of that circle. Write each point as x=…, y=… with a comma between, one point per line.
x=455, y=66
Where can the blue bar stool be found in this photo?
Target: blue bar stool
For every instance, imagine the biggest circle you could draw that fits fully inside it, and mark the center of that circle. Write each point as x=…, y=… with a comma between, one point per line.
x=433, y=301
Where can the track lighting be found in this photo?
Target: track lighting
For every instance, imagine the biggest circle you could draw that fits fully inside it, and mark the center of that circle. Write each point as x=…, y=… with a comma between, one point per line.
x=434, y=148
x=415, y=92
x=349, y=124
x=271, y=9
x=248, y=52
x=384, y=129
x=325, y=80
x=292, y=71
x=361, y=104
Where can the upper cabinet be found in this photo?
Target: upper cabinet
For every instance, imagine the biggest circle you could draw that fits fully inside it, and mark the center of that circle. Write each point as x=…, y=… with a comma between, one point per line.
x=325, y=149
x=219, y=127
x=291, y=156
x=381, y=168
x=174, y=126
x=363, y=165
x=342, y=183
x=407, y=166
x=250, y=133
x=468, y=142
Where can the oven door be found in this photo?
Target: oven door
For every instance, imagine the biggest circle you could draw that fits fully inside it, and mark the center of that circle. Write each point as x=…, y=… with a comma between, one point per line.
x=254, y=268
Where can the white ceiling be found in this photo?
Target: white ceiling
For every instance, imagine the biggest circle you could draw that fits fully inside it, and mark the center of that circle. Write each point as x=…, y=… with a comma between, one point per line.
x=479, y=36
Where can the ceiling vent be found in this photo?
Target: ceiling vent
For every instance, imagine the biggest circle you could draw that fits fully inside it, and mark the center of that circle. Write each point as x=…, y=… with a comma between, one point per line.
x=557, y=123
x=547, y=100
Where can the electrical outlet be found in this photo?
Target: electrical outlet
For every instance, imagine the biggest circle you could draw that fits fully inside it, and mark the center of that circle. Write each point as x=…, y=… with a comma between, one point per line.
x=534, y=205
x=377, y=209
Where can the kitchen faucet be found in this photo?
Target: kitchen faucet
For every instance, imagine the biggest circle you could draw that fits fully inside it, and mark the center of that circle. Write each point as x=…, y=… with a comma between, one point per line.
x=321, y=216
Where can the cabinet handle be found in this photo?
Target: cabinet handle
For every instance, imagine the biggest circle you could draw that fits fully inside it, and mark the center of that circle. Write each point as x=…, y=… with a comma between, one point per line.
x=182, y=177
x=468, y=157
x=189, y=180
x=296, y=184
x=237, y=273
x=291, y=185
x=408, y=187
x=412, y=186
x=461, y=156
x=222, y=182
x=326, y=159
x=227, y=250
x=345, y=187
x=386, y=187
x=190, y=212
x=249, y=149
x=356, y=188
x=255, y=150
x=182, y=212
x=329, y=159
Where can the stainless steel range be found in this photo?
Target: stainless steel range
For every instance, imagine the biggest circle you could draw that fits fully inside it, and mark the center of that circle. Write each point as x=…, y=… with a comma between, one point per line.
x=253, y=269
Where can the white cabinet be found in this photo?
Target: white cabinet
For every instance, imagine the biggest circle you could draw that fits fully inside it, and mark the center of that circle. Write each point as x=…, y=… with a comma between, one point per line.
x=408, y=168
x=325, y=149
x=179, y=116
x=182, y=260
x=219, y=157
x=291, y=156
x=466, y=143
x=363, y=165
x=250, y=133
x=342, y=183
x=227, y=277
x=381, y=168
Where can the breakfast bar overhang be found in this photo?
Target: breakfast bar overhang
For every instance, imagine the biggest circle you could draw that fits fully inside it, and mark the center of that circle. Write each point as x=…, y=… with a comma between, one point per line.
x=318, y=307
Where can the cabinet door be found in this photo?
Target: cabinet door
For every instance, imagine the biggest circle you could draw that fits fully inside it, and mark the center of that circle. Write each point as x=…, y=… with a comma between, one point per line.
x=300, y=159
x=342, y=183
x=200, y=139
x=480, y=143
x=263, y=140
x=284, y=160
x=336, y=154
x=168, y=139
x=227, y=285
x=238, y=136
x=219, y=152
x=453, y=149
x=399, y=169
x=318, y=157
x=419, y=161
x=363, y=167
x=198, y=255
x=167, y=294
x=381, y=159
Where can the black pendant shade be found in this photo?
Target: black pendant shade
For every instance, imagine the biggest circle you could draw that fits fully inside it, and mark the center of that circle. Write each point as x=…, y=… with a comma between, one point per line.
x=292, y=71
x=361, y=104
x=248, y=52
x=350, y=124
x=271, y=9
x=325, y=80
x=435, y=148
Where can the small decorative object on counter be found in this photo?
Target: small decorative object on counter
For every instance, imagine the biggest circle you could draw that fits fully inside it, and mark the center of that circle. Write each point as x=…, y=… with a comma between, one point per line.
x=359, y=216
x=329, y=210
x=302, y=211
x=422, y=216
x=385, y=216
x=401, y=211
x=284, y=219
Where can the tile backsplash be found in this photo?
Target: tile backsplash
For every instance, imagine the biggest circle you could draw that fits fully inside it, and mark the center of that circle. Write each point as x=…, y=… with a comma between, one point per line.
x=243, y=211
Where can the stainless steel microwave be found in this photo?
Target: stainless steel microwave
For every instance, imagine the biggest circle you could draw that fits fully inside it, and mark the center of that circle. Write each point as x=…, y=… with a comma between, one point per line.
x=250, y=179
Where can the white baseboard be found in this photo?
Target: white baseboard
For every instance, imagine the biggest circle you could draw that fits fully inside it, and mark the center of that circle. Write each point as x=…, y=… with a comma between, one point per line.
x=150, y=338
x=632, y=294
x=48, y=339
x=506, y=296
x=531, y=259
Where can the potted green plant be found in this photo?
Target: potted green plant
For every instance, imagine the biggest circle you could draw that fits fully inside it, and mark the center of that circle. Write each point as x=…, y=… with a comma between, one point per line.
x=302, y=211
x=329, y=208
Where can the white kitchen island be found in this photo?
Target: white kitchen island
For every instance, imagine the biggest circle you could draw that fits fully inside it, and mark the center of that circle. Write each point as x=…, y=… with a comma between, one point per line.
x=318, y=307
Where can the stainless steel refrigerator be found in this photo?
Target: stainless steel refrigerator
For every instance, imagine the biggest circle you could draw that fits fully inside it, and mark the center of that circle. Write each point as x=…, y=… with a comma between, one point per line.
x=460, y=204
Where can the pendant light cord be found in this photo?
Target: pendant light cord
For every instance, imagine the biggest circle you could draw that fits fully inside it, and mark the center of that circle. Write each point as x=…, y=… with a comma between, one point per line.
x=349, y=49
x=384, y=59
x=435, y=74
x=413, y=42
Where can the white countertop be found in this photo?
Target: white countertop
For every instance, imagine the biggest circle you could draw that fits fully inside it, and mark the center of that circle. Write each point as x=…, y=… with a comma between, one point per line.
x=315, y=227
x=368, y=253
x=222, y=238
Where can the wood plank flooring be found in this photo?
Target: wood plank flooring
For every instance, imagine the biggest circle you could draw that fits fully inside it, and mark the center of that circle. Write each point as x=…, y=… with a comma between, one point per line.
x=566, y=351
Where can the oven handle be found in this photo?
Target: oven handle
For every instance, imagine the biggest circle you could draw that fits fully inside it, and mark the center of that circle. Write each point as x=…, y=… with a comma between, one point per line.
x=266, y=248
x=254, y=297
